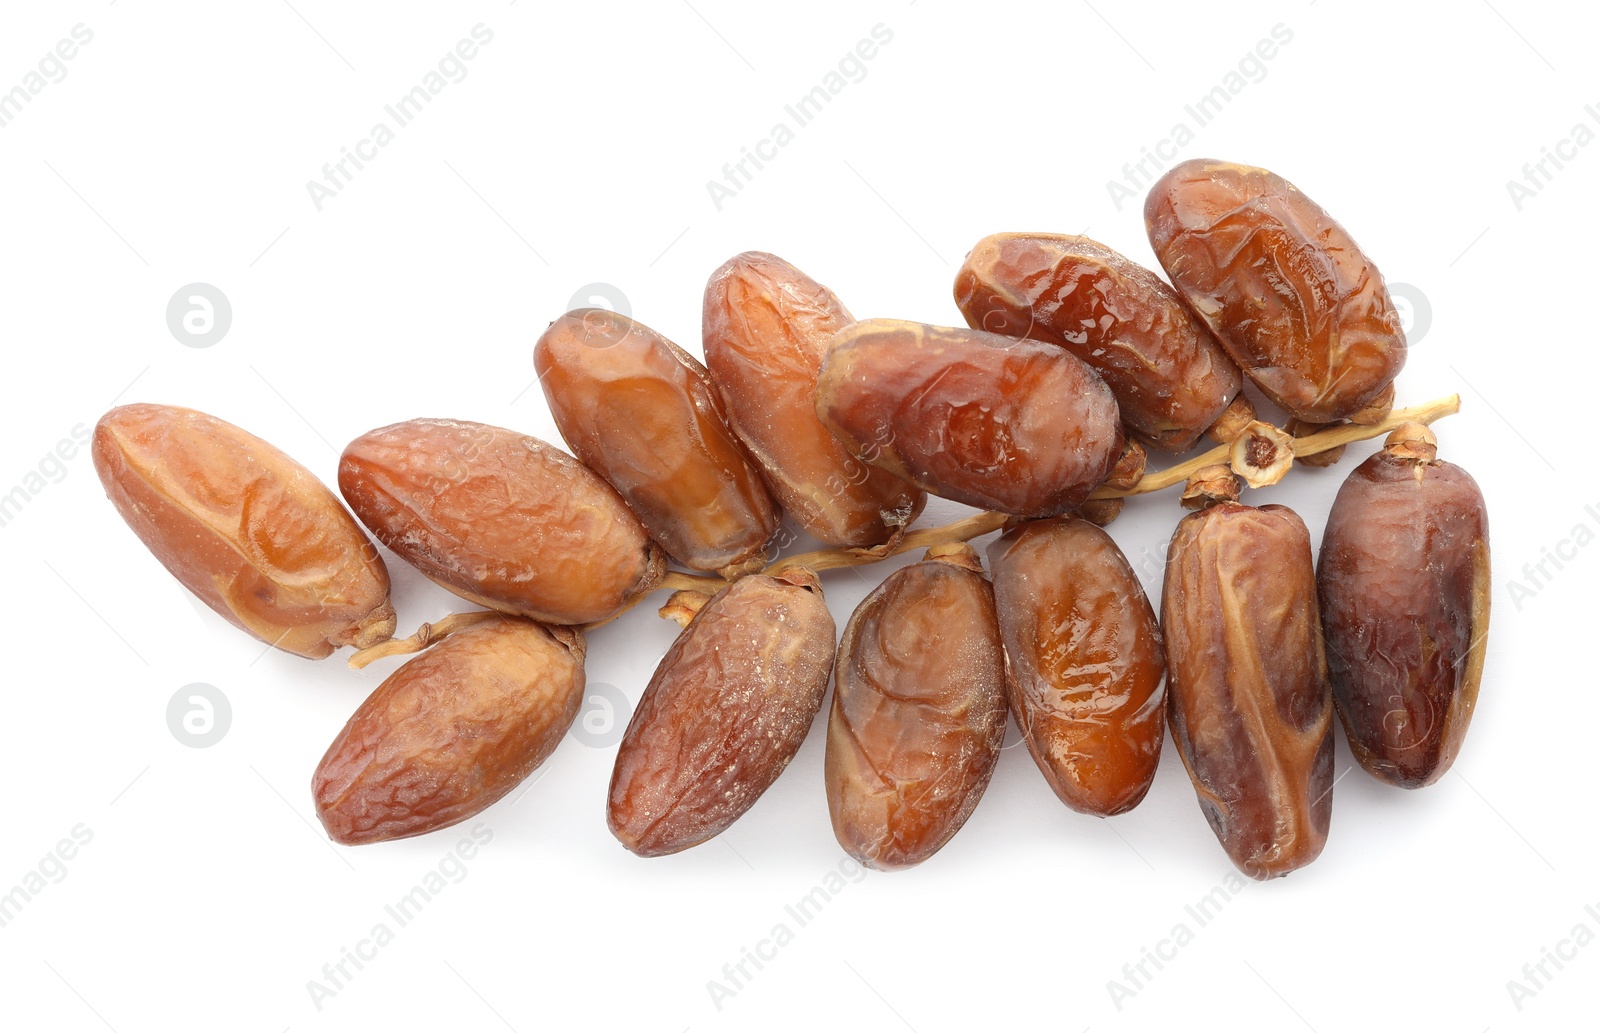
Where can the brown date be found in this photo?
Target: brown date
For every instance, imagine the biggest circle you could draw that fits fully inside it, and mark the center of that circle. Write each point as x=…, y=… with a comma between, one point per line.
x=1171, y=378
x=643, y=414
x=767, y=326
x=244, y=527
x=500, y=518
x=919, y=710
x=1247, y=691
x=1016, y=426
x=725, y=713
x=1404, y=583
x=1084, y=662
x=451, y=731
x=1285, y=289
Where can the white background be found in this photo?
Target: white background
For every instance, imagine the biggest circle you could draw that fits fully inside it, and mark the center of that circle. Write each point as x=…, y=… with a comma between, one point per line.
x=577, y=150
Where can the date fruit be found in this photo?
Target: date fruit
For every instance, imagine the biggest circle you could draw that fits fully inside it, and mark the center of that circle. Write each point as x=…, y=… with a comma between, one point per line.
x=724, y=714
x=451, y=731
x=1248, y=695
x=919, y=710
x=1011, y=425
x=1084, y=662
x=643, y=414
x=248, y=530
x=1285, y=289
x=500, y=518
x=1172, y=380
x=767, y=326
x=1404, y=583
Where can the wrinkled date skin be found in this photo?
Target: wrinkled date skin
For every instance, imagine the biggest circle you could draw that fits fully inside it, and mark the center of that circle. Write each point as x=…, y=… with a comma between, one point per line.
x=919, y=712
x=1170, y=376
x=1248, y=695
x=1285, y=289
x=1404, y=582
x=248, y=530
x=1084, y=662
x=724, y=714
x=451, y=731
x=643, y=414
x=767, y=326
x=500, y=518
x=1016, y=426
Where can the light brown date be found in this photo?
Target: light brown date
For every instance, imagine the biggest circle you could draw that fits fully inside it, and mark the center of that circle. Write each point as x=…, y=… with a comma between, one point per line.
x=1171, y=378
x=1285, y=289
x=643, y=414
x=244, y=527
x=1404, y=582
x=1016, y=426
x=1247, y=692
x=1084, y=662
x=725, y=713
x=451, y=731
x=919, y=710
x=500, y=518
x=767, y=326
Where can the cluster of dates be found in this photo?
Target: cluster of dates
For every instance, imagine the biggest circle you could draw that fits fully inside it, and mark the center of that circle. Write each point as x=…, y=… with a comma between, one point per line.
x=1075, y=361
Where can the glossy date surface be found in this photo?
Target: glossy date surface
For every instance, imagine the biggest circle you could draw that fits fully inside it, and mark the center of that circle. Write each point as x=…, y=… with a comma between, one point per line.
x=1015, y=426
x=1170, y=376
x=1294, y=300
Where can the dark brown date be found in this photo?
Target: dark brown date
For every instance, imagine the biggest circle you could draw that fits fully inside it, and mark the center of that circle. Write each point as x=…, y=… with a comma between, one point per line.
x=1170, y=376
x=767, y=326
x=1084, y=662
x=1286, y=290
x=643, y=414
x=1247, y=692
x=1404, y=583
x=918, y=712
x=725, y=713
x=1016, y=426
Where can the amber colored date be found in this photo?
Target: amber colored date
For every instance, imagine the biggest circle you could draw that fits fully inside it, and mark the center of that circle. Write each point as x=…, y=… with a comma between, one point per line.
x=1247, y=691
x=244, y=527
x=1010, y=425
x=1404, y=582
x=451, y=731
x=767, y=326
x=918, y=712
x=500, y=518
x=1170, y=376
x=725, y=713
x=1084, y=662
x=1283, y=286
x=643, y=414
